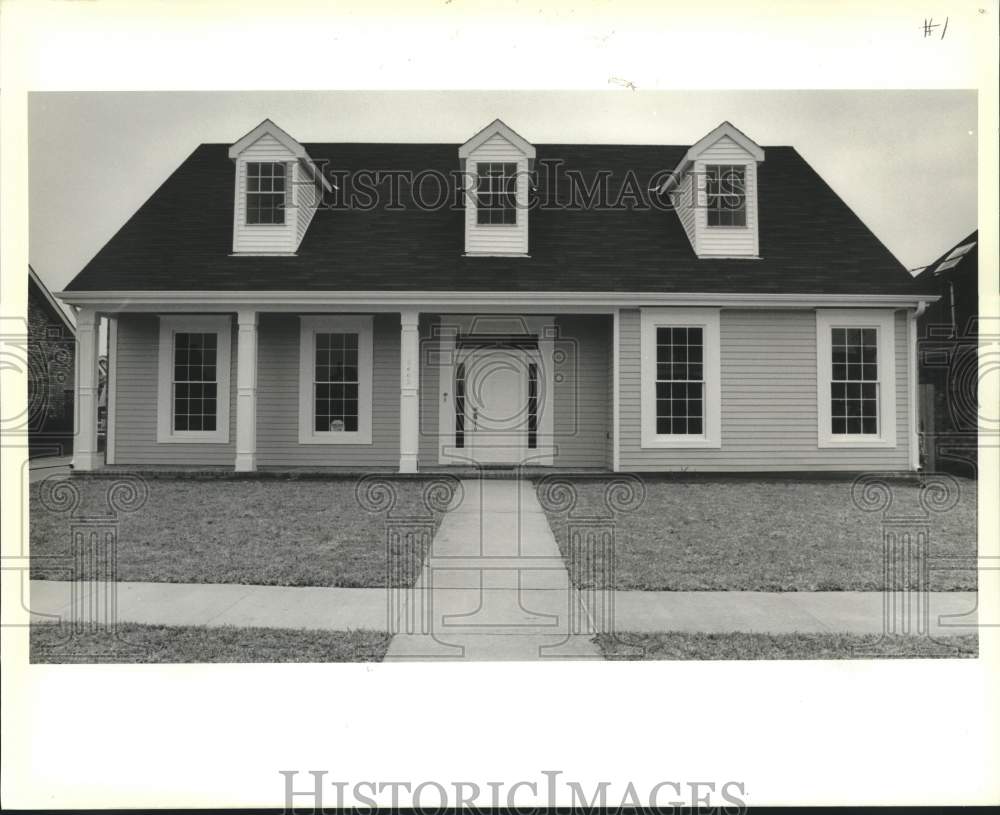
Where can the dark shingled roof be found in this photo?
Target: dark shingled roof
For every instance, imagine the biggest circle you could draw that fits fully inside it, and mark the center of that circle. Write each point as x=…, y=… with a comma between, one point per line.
x=810, y=240
x=970, y=260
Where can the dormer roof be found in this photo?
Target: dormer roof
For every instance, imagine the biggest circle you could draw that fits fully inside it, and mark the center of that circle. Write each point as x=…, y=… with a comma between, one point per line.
x=722, y=131
x=269, y=128
x=496, y=127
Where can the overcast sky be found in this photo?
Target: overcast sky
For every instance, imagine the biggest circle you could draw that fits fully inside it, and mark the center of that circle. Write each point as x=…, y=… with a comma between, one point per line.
x=904, y=160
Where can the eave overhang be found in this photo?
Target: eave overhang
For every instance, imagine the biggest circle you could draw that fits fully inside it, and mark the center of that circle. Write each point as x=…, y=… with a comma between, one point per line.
x=458, y=302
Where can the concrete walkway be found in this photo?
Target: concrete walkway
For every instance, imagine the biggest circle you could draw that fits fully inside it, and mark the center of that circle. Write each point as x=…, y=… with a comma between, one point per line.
x=494, y=586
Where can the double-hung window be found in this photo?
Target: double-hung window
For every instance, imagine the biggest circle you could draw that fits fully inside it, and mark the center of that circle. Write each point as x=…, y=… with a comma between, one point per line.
x=265, y=192
x=335, y=380
x=680, y=377
x=496, y=193
x=726, y=195
x=854, y=381
x=856, y=378
x=193, y=389
x=680, y=380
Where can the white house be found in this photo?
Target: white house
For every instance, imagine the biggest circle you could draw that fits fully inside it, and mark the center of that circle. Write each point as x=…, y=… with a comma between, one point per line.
x=714, y=307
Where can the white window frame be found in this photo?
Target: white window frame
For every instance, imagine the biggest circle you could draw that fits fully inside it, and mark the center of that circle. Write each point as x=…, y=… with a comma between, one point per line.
x=708, y=320
x=496, y=194
x=362, y=325
x=221, y=326
x=285, y=193
x=884, y=322
x=721, y=166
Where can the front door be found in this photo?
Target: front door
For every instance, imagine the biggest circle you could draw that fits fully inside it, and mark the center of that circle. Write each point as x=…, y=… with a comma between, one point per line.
x=496, y=404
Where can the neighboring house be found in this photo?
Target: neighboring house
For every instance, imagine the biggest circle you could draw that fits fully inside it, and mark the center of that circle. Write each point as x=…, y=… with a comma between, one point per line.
x=949, y=364
x=759, y=327
x=51, y=353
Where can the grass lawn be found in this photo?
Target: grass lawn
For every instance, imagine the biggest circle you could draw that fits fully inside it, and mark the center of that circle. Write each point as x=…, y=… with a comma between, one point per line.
x=267, y=532
x=673, y=645
x=191, y=643
x=764, y=535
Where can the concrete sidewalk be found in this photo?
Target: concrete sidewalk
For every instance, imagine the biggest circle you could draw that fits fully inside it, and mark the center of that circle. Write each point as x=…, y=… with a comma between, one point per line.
x=855, y=612
x=213, y=604
x=640, y=611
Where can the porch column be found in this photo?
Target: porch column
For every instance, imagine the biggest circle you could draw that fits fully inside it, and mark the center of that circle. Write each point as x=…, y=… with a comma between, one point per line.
x=85, y=454
x=246, y=392
x=409, y=390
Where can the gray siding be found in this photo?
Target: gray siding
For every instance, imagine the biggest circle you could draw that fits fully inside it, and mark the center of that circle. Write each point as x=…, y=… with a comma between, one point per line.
x=582, y=421
x=769, y=411
x=278, y=400
x=135, y=406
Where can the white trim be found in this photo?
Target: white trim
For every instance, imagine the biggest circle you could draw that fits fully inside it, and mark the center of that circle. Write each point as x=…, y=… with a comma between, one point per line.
x=246, y=391
x=703, y=229
x=616, y=451
x=883, y=320
x=335, y=323
x=288, y=204
x=720, y=132
x=544, y=453
x=495, y=254
x=466, y=302
x=507, y=446
x=267, y=128
x=85, y=454
x=913, y=406
x=112, y=386
x=708, y=320
x=493, y=128
x=221, y=325
x=446, y=396
x=236, y=210
x=409, y=390
x=695, y=151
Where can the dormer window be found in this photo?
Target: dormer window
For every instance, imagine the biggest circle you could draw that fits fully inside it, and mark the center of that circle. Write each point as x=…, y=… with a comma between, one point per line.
x=495, y=166
x=714, y=192
x=726, y=198
x=265, y=192
x=496, y=193
x=278, y=188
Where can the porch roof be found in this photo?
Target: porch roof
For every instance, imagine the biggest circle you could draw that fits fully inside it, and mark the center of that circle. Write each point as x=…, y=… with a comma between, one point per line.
x=810, y=239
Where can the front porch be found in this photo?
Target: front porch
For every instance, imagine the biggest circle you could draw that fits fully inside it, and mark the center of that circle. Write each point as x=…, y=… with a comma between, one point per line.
x=297, y=393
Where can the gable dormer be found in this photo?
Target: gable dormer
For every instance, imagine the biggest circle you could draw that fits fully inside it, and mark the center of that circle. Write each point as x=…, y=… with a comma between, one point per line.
x=278, y=189
x=714, y=192
x=495, y=166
